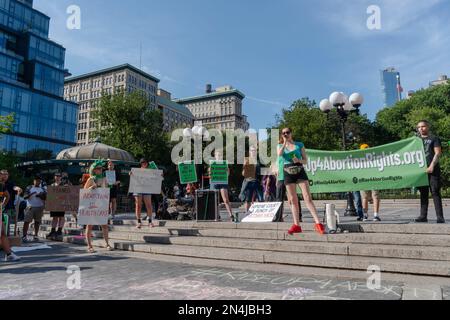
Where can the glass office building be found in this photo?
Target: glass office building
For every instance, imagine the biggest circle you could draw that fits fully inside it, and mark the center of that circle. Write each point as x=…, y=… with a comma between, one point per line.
x=390, y=85
x=32, y=82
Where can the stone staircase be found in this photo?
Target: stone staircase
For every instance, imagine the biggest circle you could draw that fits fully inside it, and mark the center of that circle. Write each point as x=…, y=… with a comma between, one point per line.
x=395, y=248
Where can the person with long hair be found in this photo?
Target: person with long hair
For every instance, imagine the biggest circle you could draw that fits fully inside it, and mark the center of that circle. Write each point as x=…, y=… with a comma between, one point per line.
x=294, y=159
x=97, y=180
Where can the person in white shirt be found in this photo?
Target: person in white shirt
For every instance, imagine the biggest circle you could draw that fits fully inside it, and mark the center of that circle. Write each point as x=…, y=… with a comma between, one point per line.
x=35, y=196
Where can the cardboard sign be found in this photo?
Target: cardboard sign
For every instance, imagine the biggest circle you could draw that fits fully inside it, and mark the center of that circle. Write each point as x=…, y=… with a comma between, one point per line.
x=110, y=176
x=188, y=173
x=63, y=198
x=145, y=181
x=262, y=212
x=94, y=207
x=219, y=172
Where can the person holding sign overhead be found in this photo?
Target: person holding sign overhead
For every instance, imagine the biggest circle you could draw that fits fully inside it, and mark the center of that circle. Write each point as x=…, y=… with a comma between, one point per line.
x=222, y=187
x=147, y=198
x=294, y=158
x=97, y=180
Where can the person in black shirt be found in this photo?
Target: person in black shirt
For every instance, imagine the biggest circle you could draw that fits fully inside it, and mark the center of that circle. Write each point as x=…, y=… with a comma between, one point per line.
x=433, y=152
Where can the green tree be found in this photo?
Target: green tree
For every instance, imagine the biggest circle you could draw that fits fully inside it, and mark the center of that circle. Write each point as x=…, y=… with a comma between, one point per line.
x=432, y=104
x=324, y=131
x=126, y=121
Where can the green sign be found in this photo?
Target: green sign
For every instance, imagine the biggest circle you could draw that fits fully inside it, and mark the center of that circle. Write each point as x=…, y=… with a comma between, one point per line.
x=187, y=172
x=219, y=172
x=394, y=166
x=152, y=165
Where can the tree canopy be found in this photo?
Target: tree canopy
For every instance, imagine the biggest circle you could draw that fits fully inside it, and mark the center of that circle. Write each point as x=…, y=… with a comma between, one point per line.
x=126, y=121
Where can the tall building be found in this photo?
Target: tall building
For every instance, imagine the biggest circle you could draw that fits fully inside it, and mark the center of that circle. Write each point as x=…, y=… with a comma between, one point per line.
x=175, y=115
x=442, y=80
x=87, y=90
x=391, y=86
x=32, y=81
x=220, y=109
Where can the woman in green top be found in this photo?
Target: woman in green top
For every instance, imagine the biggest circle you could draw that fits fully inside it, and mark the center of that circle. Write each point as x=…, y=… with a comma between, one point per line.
x=294, y=158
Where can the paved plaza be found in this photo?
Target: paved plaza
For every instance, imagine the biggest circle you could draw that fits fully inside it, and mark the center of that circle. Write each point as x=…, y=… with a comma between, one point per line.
x=59, y=271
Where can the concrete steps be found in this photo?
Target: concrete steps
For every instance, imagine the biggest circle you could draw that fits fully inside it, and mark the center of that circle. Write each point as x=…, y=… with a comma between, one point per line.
x=391, y=265
x=418, y=249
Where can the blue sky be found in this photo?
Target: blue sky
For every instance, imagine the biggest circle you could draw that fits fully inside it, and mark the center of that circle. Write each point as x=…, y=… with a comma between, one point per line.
x=273, y=51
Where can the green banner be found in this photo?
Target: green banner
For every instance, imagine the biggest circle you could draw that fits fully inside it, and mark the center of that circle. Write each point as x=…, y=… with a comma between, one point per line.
x=187, y=172
x=219, y=172
x=394, y=166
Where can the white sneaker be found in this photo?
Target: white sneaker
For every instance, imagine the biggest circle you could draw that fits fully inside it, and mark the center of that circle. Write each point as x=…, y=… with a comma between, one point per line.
x=11, y=258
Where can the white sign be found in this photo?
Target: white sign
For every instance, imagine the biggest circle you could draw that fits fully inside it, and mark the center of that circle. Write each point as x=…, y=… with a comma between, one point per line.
x=262, y=212
x=145, y=181
x=110, y=177
x=94, y=207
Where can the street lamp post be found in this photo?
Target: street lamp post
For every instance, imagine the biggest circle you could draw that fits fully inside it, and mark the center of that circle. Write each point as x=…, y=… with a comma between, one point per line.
x=344, y=107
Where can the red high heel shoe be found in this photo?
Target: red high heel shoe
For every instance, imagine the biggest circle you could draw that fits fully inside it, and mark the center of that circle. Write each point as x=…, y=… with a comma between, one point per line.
x=320, y=229
x=295, y=229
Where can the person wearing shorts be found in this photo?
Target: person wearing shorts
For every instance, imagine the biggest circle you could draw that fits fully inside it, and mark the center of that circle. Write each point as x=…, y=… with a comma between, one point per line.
x=35, y=195
x=294, y=159
x=371, y=196
x=58, y=217
x=113, y=191
x=146, y=198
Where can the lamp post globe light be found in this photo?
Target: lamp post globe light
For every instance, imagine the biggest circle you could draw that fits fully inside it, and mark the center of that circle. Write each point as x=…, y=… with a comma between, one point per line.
x=344, y=106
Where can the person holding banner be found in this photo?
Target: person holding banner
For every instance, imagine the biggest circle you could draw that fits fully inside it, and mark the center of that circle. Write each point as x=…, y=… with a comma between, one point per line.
x=294, y=158
x=96, y=180
x=433, y=153
x=147, y=198
x=223, y=188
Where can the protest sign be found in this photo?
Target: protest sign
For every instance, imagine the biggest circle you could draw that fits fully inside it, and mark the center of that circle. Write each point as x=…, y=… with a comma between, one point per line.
x=394, y=166
x=62, y=198
x=145, y=181
x=262, y=212
x=110, y=176
x=219, y=172
x=94, y=207
x=187, y=172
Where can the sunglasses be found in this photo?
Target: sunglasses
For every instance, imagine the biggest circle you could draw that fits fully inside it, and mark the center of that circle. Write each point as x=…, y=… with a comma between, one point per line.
x=286, y=133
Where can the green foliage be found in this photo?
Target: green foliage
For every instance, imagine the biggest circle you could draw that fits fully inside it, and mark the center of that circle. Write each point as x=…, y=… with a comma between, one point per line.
x=126, y=122
x=432, y=104
x=320, y=131
x=6, y=123
x=8, y=162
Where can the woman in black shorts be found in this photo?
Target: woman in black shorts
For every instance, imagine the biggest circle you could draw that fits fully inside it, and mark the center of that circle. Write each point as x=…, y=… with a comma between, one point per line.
x=294, y=158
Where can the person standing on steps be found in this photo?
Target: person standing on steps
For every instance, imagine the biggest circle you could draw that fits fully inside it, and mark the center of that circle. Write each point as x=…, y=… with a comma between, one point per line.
x=294, y=158
x=433, y=153
x=58, y=216
x=146, y=198
x=114, y=191
x=223, y=188
x=96, y=180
